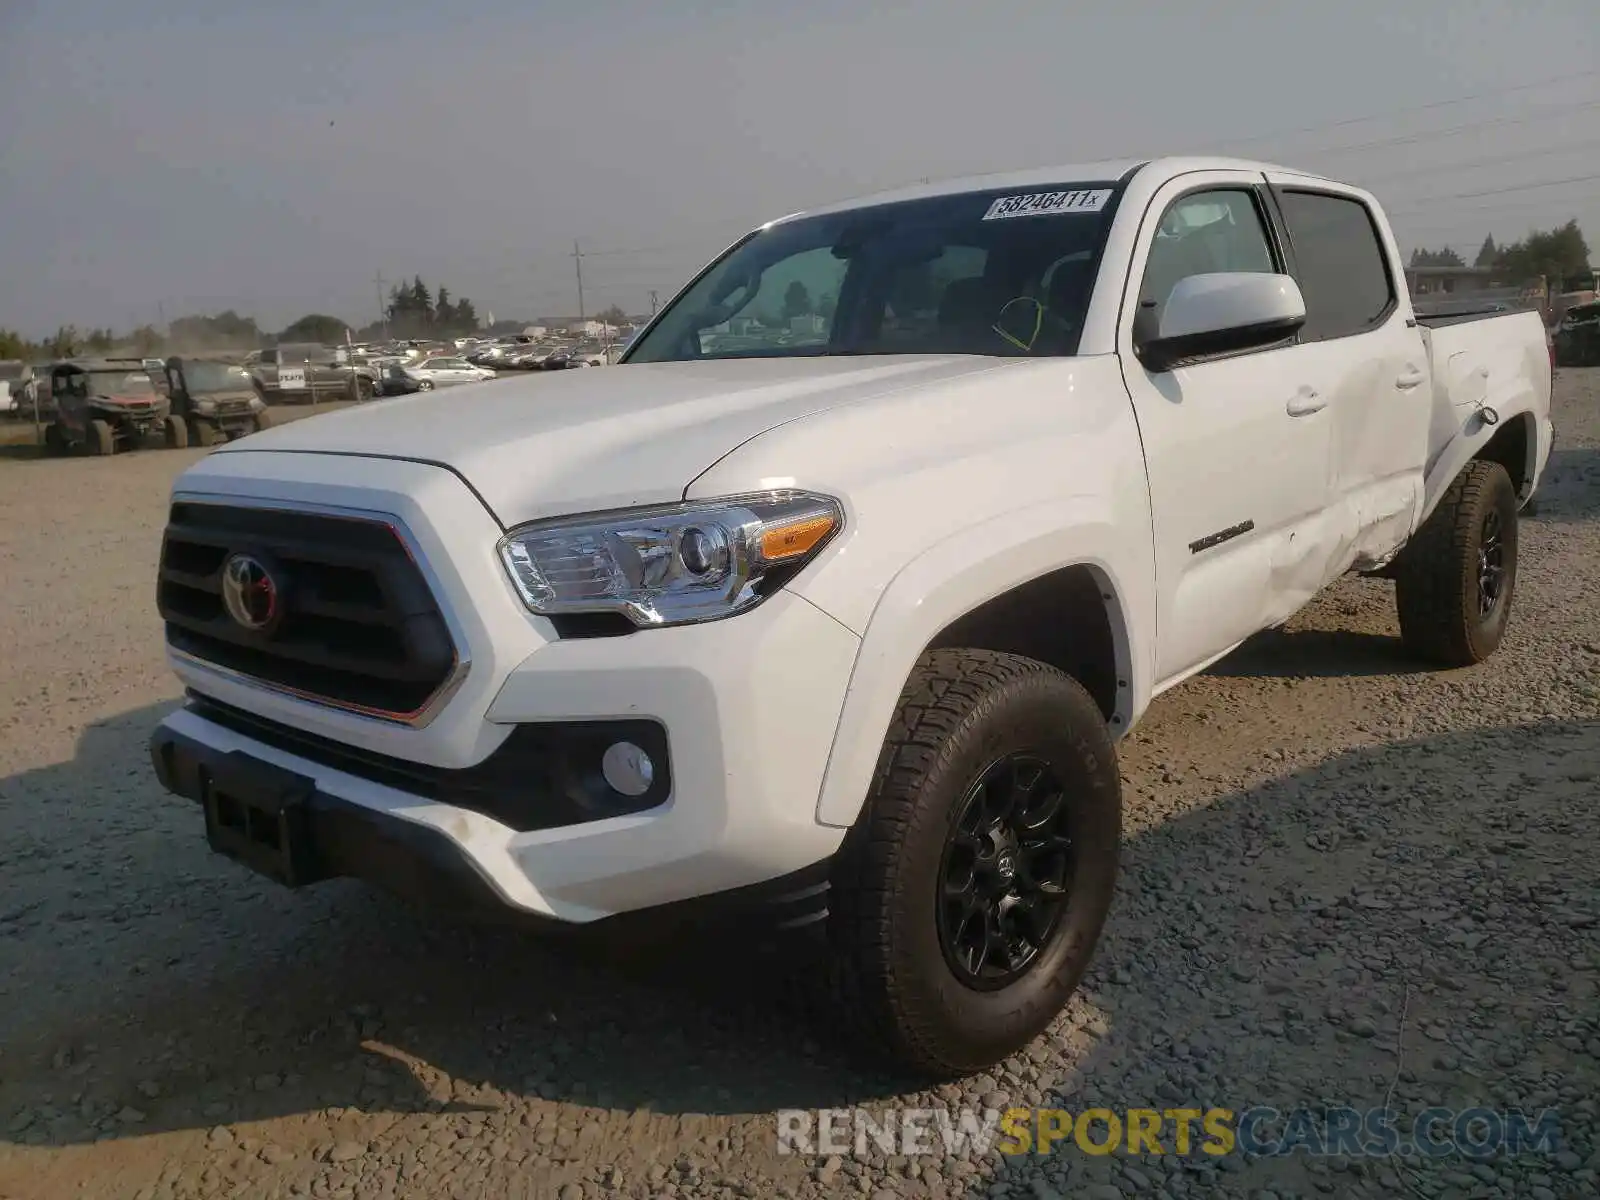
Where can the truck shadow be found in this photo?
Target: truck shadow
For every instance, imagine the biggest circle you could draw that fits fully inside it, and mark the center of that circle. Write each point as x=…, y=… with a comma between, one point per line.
x=150, y=986
x=1309, y=653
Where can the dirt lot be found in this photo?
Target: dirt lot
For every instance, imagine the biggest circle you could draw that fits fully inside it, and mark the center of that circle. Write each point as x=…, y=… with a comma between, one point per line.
x=1349, y=881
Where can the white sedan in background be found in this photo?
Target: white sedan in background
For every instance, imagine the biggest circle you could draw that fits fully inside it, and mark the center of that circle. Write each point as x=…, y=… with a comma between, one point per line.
x=440, y=372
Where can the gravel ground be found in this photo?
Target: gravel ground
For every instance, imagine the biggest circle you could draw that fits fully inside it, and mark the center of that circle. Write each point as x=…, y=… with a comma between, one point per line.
x=1348, y=882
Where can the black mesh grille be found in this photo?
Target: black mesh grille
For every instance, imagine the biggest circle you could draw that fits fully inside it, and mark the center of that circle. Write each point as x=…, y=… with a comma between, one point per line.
x=359, y=627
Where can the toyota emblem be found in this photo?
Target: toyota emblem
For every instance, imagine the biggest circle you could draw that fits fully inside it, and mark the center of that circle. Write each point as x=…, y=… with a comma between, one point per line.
x=249, y=593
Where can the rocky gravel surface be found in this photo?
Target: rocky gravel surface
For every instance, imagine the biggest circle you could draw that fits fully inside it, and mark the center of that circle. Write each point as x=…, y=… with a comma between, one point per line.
x=1350, y=882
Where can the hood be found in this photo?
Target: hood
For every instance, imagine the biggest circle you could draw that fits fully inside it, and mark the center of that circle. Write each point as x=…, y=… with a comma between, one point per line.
x=580, y=441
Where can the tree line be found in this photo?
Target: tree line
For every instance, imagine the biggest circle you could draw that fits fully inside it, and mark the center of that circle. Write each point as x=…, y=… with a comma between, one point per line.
x=1560, y=255
x=413, y=311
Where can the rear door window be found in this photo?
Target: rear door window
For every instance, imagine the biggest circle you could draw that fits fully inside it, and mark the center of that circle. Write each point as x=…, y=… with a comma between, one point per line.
x=1342, y=269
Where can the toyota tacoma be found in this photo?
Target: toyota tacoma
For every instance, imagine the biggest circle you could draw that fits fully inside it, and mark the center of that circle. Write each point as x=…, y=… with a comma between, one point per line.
x=834, y=603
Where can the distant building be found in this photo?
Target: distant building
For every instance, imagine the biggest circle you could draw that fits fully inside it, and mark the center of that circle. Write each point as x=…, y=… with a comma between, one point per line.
x=1431, y=281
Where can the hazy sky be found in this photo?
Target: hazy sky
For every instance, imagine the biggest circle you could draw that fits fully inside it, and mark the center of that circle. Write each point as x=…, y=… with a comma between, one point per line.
x=192, y=155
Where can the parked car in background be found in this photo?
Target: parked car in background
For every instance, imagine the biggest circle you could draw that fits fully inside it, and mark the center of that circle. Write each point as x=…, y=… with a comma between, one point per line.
x=19, y=386
x=1576, y=341
x=395, y=380
x=529, y=358
x=214, y=399
x=441, y=372
x=304, y=373
x=103, y=405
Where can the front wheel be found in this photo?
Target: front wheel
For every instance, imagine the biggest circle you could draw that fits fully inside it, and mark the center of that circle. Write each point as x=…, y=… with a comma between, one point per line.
x=1454, y=581
x=968, y=898
x=100, y=438
x=425, y=385
x=177, y=433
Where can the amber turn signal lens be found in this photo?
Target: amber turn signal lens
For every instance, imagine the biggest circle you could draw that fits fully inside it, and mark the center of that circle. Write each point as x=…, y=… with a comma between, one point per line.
x=779, y=542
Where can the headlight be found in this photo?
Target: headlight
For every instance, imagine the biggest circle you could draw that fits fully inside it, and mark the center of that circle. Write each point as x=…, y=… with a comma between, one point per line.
x=205, y=406
x=670, y=565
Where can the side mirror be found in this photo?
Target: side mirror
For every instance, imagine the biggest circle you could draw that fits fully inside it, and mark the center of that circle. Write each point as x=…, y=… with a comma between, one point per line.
x=1218, y=313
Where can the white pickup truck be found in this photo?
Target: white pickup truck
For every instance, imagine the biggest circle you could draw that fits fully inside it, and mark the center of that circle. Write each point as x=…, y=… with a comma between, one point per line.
x=837, y=618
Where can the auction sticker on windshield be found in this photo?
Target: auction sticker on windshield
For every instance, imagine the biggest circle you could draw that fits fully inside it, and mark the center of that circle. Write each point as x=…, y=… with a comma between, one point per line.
x=1038, y=204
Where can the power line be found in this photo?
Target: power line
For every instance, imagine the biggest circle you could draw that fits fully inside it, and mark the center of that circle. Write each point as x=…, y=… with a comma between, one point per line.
x=1400, y=112
x=1496, y=160
x=1455, y=130
x=1500, y=191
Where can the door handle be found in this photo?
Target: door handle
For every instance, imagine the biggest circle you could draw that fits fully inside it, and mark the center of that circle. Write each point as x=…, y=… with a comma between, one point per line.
x=1306, y=400
x=1410, y=378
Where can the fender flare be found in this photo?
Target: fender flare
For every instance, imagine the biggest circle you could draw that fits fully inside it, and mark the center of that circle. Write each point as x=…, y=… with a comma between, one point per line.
x=955, y=577
x=1469, y=443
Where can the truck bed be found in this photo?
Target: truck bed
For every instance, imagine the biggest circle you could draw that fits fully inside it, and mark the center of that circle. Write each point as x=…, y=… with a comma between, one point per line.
x=1492, y=359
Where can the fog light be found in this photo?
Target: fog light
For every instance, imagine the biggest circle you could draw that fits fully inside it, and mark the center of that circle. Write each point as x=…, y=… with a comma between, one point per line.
x=627, y=768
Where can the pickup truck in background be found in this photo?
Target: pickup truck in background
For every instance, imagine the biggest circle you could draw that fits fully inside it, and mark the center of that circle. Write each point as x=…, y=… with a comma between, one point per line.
x=840, y=628
x=307, y=373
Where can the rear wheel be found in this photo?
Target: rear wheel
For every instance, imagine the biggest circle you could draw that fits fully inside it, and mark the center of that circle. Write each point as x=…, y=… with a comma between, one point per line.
x=1454, y=581
x=425, y=385
x=968, y=898
x=100, y=438
x=177, y=433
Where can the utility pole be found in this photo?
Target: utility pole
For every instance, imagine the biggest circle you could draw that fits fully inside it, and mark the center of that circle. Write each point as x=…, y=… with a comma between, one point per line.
x=577, y=261
x=383, y=313
x=652, y=302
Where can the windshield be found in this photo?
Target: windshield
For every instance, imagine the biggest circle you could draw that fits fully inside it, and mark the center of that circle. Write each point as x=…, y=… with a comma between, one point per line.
x=997, y=272
x=203, y=377
x=120, y=383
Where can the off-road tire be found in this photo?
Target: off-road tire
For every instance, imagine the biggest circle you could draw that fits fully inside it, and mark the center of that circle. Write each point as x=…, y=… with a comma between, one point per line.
x=203, y=433
x=262, y=420
x=1437, y=575
x=425, y=385
x=55, y=441
x=959, y=712
x=100, y=439
x=176, y=432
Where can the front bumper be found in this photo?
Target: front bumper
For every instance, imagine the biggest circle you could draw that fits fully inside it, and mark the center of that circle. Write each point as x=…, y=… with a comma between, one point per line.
x=749, y=707
x=299, y=834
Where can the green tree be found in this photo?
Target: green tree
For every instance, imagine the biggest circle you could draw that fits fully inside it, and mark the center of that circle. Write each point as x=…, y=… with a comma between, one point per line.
x=796, y=301
x=612, y=316
x=315, y=327
x=146, y=340
x=64, y=343
x=225, y=331
x=1487, y=253
x=466, y=317
x=14, y=345
x=1436, y=258
x=1560, y=255
x=827, y=305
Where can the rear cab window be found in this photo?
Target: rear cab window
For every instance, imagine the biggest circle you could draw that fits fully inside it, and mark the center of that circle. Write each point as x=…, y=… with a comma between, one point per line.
x=1340, y=263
